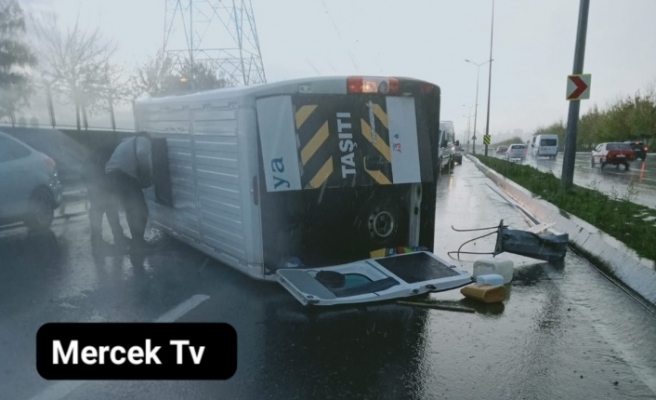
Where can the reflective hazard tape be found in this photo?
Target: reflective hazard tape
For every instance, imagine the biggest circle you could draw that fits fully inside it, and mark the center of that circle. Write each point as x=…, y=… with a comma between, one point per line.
x=315, y=143
x=303, y=114
x=379, y=177
x=379, y=144
x=322, y=176
x=378, y=111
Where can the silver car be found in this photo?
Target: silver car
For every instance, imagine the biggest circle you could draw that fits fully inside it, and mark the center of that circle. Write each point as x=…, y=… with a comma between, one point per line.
x=516, y=151
x=30, y=189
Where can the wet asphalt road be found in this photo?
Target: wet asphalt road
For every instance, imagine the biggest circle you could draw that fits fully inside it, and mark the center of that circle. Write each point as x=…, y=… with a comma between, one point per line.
x=563, y=332
x=639, y=182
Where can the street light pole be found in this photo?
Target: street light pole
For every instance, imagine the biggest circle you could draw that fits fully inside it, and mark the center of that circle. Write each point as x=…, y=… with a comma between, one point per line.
x=478, y=75
x=489, y=88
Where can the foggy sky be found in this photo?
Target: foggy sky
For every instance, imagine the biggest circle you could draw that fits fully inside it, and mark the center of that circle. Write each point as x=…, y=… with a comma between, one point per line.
x=533, y=48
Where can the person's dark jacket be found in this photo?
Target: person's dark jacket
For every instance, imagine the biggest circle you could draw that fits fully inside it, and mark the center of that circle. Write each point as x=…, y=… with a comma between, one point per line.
x=93, y=168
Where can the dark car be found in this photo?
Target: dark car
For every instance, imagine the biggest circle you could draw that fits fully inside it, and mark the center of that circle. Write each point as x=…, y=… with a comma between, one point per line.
x=31, y=189
x=457, y=156
x=639, y=148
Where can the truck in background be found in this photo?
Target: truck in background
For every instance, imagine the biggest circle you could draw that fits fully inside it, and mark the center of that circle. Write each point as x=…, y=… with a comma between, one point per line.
x=447, y=146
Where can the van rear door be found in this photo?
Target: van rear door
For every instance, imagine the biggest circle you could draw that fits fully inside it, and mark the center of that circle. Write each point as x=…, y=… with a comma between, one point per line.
x=327, y=161
x=308, y=141
x=343, y=174
x=548, y=146
x=373, y=280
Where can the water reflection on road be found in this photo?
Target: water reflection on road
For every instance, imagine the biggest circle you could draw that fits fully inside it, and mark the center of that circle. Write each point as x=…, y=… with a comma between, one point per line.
x=638, y=183
x=563, y=331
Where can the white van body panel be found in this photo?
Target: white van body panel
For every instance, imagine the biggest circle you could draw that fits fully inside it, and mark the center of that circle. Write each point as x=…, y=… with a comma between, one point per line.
x=212, y=148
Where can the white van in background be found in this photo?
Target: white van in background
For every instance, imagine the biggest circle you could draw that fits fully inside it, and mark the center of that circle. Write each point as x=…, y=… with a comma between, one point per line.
x=545, y=146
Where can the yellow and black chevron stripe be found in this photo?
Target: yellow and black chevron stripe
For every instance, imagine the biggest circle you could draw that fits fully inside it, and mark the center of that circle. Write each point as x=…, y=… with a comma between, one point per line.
x=319, y=147
x=379, y=139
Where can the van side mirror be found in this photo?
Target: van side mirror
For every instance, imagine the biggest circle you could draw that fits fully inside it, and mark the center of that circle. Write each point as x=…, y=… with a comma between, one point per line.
x=458, y=143
x=444, y=143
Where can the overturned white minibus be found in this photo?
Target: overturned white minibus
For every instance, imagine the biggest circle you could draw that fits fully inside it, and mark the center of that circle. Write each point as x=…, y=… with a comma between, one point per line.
x=300, y=181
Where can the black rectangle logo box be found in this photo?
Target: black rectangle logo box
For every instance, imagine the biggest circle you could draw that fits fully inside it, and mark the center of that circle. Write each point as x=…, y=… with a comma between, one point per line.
x=210, y=354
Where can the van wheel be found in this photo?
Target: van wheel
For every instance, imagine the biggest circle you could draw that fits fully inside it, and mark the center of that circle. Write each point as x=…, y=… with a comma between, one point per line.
x=380, y=222
x=41, y=211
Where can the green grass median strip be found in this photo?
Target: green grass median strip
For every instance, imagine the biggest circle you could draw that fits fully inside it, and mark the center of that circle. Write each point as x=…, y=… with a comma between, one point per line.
x=615, y=215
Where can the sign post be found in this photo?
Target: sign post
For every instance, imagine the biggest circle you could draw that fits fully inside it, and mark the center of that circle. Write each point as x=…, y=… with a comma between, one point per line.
x=577, y=88
x=486, y=141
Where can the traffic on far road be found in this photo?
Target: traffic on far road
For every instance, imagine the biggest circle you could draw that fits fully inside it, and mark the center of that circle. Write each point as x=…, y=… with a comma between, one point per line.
x=638, y=182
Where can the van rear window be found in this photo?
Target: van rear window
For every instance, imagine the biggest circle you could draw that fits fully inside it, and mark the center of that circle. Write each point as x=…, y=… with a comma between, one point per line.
x=548, y=142
x=618, y=146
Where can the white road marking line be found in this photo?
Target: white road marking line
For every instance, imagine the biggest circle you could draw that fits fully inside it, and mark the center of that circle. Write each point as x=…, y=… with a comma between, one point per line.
x=62, y=389
x=58, y=390
x=182, y=308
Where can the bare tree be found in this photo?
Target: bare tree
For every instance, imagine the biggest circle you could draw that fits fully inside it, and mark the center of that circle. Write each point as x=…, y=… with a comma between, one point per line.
x=204, y=76
x=161, y=76
x=77, y=64
x=16, y=58
x=155, y=77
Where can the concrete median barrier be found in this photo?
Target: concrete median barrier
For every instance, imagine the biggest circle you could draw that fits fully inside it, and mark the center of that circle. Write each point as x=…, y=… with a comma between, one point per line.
x=609, y=255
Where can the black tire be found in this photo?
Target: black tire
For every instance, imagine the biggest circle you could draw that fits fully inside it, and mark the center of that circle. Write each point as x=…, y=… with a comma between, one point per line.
x=626, y=166
x=41, y=210
x=603, y=164
x=592, y=163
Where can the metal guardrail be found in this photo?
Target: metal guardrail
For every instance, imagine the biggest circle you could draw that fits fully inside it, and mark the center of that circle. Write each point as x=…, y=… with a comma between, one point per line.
x=65, y=127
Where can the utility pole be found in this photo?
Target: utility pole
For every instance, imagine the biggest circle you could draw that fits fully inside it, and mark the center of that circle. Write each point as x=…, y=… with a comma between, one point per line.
x=478, y=68
x=569, y=154
x=489, y=87
x=218, y=34
x=468, y=126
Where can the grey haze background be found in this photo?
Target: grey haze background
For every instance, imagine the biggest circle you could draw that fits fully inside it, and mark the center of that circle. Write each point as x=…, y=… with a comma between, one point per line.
x=427, y=39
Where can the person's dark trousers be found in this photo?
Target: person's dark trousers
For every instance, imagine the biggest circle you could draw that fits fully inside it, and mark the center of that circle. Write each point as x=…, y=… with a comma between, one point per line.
x=101, y=204
x=134, y=203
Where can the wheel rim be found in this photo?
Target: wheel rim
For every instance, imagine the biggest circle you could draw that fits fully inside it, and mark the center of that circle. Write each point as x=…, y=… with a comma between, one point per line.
x=382, y=224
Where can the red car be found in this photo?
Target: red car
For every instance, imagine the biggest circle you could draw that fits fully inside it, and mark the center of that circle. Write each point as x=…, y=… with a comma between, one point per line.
x=613, y=153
